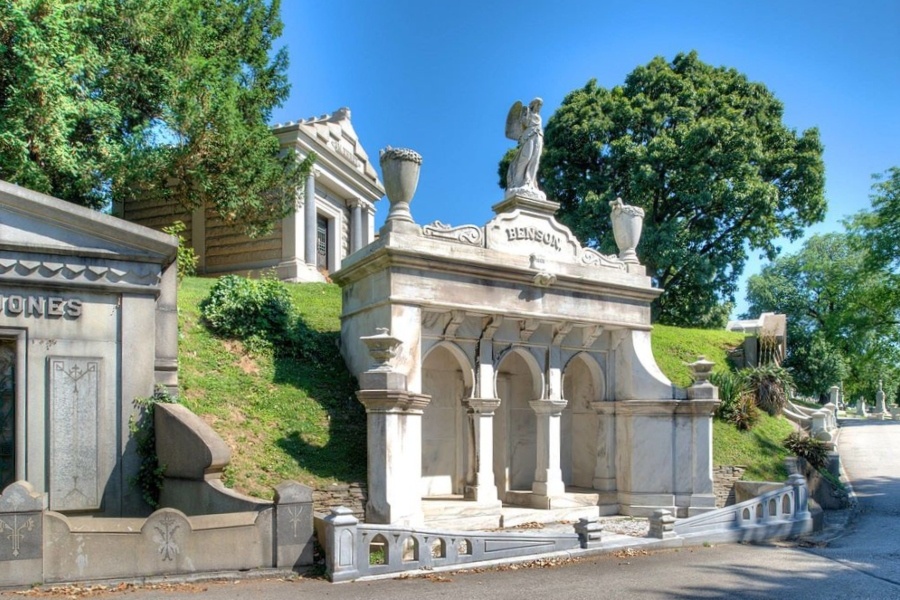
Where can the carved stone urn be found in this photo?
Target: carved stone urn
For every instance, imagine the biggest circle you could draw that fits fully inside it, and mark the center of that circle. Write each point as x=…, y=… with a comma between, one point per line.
x=627, y=222
x=400, y=168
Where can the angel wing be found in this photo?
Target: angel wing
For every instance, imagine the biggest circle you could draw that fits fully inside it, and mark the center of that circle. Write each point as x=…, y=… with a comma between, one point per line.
x=514, y=126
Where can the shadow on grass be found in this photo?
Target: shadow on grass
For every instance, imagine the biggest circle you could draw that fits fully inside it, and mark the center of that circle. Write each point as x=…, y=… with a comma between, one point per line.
x=316, y=367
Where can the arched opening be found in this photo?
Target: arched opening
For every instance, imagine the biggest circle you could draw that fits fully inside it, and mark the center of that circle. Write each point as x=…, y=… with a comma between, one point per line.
x=518, y=382
x=579, y=430
x=444, y=431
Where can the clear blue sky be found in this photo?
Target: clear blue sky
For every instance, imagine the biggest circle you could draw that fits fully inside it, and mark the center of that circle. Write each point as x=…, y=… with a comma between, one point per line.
x=439, y=77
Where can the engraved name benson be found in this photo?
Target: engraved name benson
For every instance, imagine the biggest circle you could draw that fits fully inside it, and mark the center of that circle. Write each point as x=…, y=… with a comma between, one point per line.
x=533, y=234
x=40, y=306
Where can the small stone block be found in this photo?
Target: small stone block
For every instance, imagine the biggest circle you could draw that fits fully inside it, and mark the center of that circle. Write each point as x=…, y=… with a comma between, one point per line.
x=662, y=525
x=588, y=530
x=291, y=492
x=382, y=380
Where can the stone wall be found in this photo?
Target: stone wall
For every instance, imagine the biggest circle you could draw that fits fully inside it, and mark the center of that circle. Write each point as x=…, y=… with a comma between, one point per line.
x=349, y=495
x=228, y=247
x=724, y=478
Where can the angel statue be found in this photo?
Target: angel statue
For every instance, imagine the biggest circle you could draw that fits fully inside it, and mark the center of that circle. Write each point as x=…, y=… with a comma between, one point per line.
x=523, y=124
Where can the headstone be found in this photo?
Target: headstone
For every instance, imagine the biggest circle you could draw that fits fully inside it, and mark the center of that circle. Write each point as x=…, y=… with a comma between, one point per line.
x=879, y=399
x=861, y=407
x=293, y=524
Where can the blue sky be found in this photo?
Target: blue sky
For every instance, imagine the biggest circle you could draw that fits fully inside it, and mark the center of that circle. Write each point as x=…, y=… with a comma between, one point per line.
x=439, y=77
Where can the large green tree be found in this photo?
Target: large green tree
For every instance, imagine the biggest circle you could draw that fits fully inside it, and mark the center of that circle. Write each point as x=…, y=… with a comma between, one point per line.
x=707, y=156
x=839, y=326
x=109, y=100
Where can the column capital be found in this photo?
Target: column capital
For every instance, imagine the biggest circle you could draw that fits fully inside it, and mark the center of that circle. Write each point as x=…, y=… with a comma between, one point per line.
x=393, y=401
x=483, y=406
x=548, y=406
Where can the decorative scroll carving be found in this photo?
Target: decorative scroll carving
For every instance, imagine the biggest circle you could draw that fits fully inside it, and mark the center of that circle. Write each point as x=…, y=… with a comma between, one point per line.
x=561, y=332
x=527, y=327
x=591, y=257
x=465, y=234
x=589, y=335
x=456, y=319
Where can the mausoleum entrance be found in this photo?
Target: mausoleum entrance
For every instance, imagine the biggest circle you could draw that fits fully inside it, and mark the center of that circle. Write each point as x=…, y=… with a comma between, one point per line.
x=7, y=412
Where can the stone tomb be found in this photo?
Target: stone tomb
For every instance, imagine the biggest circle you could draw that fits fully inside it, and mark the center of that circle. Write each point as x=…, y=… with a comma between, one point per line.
x=88, y=323
x=514, y=365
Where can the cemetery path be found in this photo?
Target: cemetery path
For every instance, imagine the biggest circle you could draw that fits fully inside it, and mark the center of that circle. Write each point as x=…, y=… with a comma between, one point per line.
x=870, y=453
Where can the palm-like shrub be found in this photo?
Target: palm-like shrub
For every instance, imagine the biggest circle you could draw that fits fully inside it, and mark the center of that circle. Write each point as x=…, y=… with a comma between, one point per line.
x=770, y=384
x=803, y=446
x=736, y=402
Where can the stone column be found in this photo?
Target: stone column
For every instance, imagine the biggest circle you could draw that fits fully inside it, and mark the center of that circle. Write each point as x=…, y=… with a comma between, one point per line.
x=198, y=237
x=356, y=225
x=309, y=219
x=548, y=481
x=394, y=437
x=481, y=411
x=704, y=398
x=605, y=468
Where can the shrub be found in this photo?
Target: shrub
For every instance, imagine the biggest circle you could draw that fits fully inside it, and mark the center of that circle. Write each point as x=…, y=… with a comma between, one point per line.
x=257, y=311
x=186, y=259
x=736, y=403
x=803, y=446
x=770, y=384
x=149, y=478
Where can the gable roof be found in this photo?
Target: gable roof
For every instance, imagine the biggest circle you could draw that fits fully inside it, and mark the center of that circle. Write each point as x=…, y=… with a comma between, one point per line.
x=33, y=222
x=336, y=145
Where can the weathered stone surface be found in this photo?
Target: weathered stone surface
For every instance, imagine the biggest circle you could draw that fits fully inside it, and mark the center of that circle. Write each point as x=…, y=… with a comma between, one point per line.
x=507, y=323
x=85, y=303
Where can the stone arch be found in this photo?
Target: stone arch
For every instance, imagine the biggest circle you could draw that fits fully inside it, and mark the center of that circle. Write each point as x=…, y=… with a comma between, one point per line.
x=448, y=378
x=518, y=381
x=583, y=385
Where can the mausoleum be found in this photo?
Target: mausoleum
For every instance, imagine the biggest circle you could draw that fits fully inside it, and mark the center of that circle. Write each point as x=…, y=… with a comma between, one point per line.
x=507, y=363
x=335, y=214
x=88, y=323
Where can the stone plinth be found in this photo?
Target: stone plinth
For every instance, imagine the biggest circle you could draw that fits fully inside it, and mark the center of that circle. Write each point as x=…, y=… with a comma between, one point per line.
x=394, y=435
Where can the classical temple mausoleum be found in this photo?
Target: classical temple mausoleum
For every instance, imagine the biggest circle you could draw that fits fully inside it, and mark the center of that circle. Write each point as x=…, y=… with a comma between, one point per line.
x=507, y=363
x=335, y=215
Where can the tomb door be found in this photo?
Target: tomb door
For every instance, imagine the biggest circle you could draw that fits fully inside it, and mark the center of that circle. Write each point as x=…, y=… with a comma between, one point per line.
x=443, y=426
x=7, y=412
x=322, y=243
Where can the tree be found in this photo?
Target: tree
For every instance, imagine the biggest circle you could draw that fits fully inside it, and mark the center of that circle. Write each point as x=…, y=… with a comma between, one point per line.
x=705, y=153
x=109, y=100
x=838, y=327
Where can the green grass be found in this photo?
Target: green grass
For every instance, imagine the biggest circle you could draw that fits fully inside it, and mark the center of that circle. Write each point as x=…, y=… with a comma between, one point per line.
x=675, y=347
x=283, y=418
x=291, y=419
x=759, y=449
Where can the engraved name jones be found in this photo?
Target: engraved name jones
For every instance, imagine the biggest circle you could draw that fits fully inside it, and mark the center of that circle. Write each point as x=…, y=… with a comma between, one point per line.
x=40, y=306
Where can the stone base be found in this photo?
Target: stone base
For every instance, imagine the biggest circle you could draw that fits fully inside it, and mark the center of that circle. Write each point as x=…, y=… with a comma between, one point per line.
x=297, y=271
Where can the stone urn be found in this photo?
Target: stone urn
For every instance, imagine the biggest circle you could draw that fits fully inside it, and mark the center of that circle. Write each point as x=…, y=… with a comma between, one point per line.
x=627, y=222
x=400, y=169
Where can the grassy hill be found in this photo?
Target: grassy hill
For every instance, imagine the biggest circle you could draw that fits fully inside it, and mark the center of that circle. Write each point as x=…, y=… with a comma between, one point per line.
x=300, y=420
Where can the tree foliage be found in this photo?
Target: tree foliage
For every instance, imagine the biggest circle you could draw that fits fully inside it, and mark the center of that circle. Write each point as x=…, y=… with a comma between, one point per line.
x=705, y=153
x=109, y=100
x=839, y=324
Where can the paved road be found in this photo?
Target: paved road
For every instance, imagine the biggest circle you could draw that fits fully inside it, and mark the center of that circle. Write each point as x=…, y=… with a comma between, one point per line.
x=864, y=563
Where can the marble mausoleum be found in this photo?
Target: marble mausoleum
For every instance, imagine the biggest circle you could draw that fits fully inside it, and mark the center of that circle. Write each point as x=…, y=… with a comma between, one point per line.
x=335, y=214
x=507, y=363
